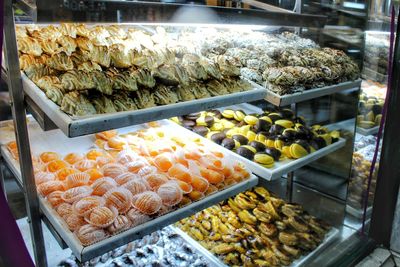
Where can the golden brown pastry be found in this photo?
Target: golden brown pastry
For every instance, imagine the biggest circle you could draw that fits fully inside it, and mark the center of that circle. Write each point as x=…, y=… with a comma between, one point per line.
x=49, y=82
x=122, y=80
x=77, y=104
x=77, y=80
x=26, y=60
x=215, y=88
x=103, y=104
x=80, y=57
x=184, y=92
x=163, y=95
x=55, y=95
x=143, y=77
x=143, y=98
x=226, y=67
x=50, y=47
x=50, y=32
x=89, y=66
x=123, y=102
x=82, y=30
x=20, y=31
x=68, y=29
x=60, y=61
x=98, y=35
x=84, y=43
x=211, y=68
x=102, y=82
x=199, y=90
x=143, y=59
x=67, y=43
x=120, y=56
x=116, y=31
x=37, y=71
x=29, y=45
x=101, y=55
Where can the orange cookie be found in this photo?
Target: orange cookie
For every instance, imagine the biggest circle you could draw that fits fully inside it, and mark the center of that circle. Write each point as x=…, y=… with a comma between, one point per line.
x=64, y=172
x=77, y=179
x=120, y=198
x=102, y=185
x=46, y=157
x=47, y=187
x=199, y=183
x=113, y=170
x=54, y=198
x=42, y=177
x=126, y=177
x=102, y=216
x=55, y=165
x=85, y=164
x=74, y=221
x=64, y=209
x=72, y=158
x=137, y=218
x=155, y=180
x=76, y=193
x=85, y=205
x=89, y=234
x=170, y=193
x=94, y=154
x=137, y=186
x=120, y=224
x=147, y=202
x=94, y=174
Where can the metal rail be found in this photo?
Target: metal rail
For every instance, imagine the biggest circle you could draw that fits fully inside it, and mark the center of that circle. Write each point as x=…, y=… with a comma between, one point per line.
x=19, y=115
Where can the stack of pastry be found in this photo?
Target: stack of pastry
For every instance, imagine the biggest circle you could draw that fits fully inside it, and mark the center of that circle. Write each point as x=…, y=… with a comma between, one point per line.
x=101, y=69
x=129, y=180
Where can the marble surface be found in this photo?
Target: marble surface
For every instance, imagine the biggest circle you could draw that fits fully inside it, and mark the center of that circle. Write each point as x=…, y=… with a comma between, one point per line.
x=395, y=242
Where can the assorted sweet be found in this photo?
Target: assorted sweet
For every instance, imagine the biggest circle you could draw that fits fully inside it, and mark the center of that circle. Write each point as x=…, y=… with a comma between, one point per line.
x=284, y=63
x=376, y=56
x=109, y=68
x=256, y=229
x=264, y=138
x=161, y=248
x=130, y=179
x=372, y=99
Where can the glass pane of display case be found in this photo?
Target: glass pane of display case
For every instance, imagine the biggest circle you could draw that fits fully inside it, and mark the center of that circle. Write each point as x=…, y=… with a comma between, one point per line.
x=203, y=135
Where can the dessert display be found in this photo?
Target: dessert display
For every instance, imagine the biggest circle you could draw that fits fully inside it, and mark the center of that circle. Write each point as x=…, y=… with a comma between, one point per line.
x=101, y=69
x=372, y=99
x=283, y=63
x=256, y=228
x=161, y=248
x=264, y=138
x=376, y=56
x=129, y=179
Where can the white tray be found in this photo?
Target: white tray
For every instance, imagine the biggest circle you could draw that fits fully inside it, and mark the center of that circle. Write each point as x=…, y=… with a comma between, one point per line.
x=77, y=126
x=284, y=100
x=330, y=237
x=56, y=141
x=282, y=167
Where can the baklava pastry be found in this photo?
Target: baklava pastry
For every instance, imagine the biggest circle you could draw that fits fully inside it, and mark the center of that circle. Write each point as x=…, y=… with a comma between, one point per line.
x=143, y=77
x=76, y=193
x=164, y=95
x=215, y=88
x=123, y=102
x=116, y=31
x=120, y=56
x=120, y=198
x=42, y=177
x=102, y=83
x=73, y=158
x=211, y=68
x=101, y=55
x=28, y=45
x=98, y=35
x=50, y=47
x=170, y=193
x=55, y=95
x=102, y=185
x=20, y=31
x=64, y=209
x=77, y=179
x=200, y=91
x=144, y=98
x=64, y=172
x=89, y=66
x=86, y=205
x=77, y=80
x=126, y=177
x=54, y=198
x=147, y=202
x=74, y=221
x=84, y=44
x=77, y=104
x=121, y=223
x=85, y=164
x=37, y=71
x=137, y=218
x=89, y=234
x=68, y=29
x=226, y=67
x=155, y=180
x=48, y=187
x=46, y=157
x=55, y=165
x=122, y=80
x=48, y=83
x=82, y=30
x=61, y=62
x=137, y=186
x=113, y=169
x=184, y=93
x=26, y=60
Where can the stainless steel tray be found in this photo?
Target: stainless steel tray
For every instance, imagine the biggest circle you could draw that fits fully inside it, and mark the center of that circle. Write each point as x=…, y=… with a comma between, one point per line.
x=330, y=237
x=284, y=100
x=281, y=167
x=55, y=140
x=358, y=213
x=370, y=131
x=77, y=126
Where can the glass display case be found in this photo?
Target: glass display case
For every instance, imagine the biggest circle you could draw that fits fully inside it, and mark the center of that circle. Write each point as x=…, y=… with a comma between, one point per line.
x=171, y=134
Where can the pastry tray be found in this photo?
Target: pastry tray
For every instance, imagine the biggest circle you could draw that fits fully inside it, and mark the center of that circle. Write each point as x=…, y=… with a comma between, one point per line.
x=77, y=126
x=282, y=167
x=285, y=100
x=55, y=140
x=330, y=237
x=370, y=131
x=358, y=213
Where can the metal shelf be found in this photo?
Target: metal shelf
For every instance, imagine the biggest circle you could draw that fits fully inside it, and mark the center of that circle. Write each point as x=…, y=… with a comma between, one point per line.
x=358, y=213
x=285, y=100
x=330, y=237
x=55, y=141
x=282, y=167
x=136, y=11
x=370, y=131
x=77, y=126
